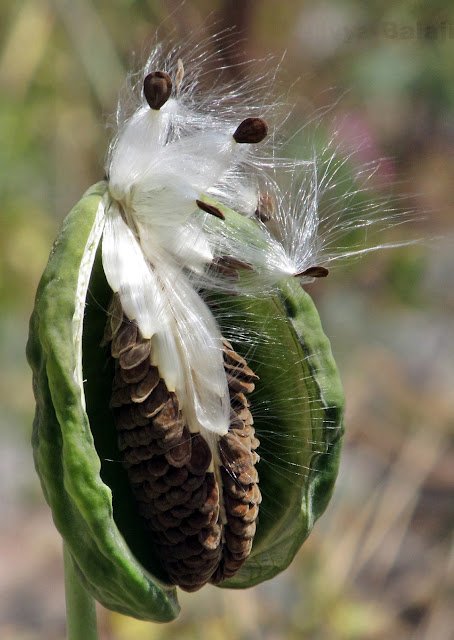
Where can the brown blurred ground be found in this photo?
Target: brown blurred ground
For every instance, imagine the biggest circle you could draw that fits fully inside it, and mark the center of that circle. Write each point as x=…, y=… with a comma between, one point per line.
x=380, y=563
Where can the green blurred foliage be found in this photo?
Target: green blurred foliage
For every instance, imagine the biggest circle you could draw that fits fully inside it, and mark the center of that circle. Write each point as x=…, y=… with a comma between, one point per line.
x=379, y=563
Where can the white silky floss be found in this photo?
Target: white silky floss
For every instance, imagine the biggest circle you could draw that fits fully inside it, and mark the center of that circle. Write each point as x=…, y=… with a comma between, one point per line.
x=159, y=241
x=164, y=159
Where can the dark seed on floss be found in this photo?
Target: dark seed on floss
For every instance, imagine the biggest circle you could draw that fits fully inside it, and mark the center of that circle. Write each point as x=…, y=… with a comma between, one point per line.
x=314, y=272
x=250, y=131
x=157, y=87
x=265, y=207
x=211, y=209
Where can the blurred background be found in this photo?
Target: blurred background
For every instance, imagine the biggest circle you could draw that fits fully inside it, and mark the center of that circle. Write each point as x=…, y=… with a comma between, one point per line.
x=380, y=562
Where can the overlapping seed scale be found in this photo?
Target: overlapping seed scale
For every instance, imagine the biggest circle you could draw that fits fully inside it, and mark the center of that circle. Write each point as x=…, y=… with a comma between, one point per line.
x=171, y=470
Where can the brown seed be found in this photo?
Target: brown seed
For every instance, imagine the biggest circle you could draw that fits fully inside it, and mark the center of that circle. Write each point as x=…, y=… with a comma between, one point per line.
x=124, y=418
x=188, y=530
x=234, y=454
x=136, y=455
x=142, y=389
x=245, y=530
x=141, y=436
x=265, y=207
x=135, y=374
x=248, y=476
x=173, y=436
x=211, y=209
x=243, y=372
x=158, y=466
x=314, y=272
x=120, y=397
x=195, y=562
x=190, y=547
x=239, y=401
x=237, y=544
x=251, y=130
x=174, y=536
x=176, y=476
x=200, y=455
x=177, y=496
x=212, y=497
x=168, y=414
x=181, y=511
x=235, y=508
x=118, y=382
x=157, y=87
x=210, y=538
x=236, y=385
x=155, y=401
x=180, y=454
x=135, y=355
x=193, y=483
x=198, y=498
x=252, y=514
x=233, y=357
x=124, y=339
x=198, y=520
x=167, y=519
x=229, y=262
x=137, y=415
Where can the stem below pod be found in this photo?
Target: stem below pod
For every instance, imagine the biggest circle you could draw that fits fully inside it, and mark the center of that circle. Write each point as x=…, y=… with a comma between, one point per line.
x=80, y=606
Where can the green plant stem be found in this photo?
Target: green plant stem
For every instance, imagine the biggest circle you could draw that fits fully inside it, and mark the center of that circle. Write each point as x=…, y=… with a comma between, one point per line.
x=80, y=606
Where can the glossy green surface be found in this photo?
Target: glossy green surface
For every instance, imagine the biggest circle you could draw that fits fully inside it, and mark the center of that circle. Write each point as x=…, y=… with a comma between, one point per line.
x=297, y=407
x=65, y=456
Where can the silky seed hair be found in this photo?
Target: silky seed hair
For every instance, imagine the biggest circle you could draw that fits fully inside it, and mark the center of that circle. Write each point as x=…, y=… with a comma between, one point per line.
x=181, y=391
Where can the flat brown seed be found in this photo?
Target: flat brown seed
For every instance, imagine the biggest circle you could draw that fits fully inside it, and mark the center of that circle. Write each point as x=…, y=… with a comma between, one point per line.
x=157, y=87
x=235, y=508
x=124, y=339
x=155, y=401
x=180, y=455
x=135, y=374
x=211, y=209
x=210, y=538
x=237, y=544
x=140, y=419
x=265, y=207
x=251, y=514
x=198, y=498
x=200, y=455
x=248, y=476
x=236, y=385
x=167, y=519
x=250, y=131
x=176, y=476
x=234, y=454
x=174, y=536
x=193, y=483
x=314, y=272
x=169, y=413
x=143, y=388
x=243, y=372
x=120, y=397
x=244, y=530
x=135, y=355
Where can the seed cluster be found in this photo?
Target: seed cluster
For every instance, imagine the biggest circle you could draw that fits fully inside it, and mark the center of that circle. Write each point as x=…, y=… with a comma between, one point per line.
x=201, y=509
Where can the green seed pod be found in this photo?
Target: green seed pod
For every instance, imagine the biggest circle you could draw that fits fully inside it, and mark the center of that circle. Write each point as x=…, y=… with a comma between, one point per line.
x=74, y=440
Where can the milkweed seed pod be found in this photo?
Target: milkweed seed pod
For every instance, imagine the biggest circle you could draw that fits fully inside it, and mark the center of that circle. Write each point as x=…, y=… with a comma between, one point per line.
x=189, y=412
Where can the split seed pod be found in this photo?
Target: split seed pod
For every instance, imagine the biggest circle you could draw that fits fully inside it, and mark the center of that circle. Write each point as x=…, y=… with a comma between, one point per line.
x=162, y=319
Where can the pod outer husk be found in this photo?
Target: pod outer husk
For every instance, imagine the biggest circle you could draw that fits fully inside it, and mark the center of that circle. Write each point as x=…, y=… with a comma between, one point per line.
x=65, y=456
x=300, y=436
